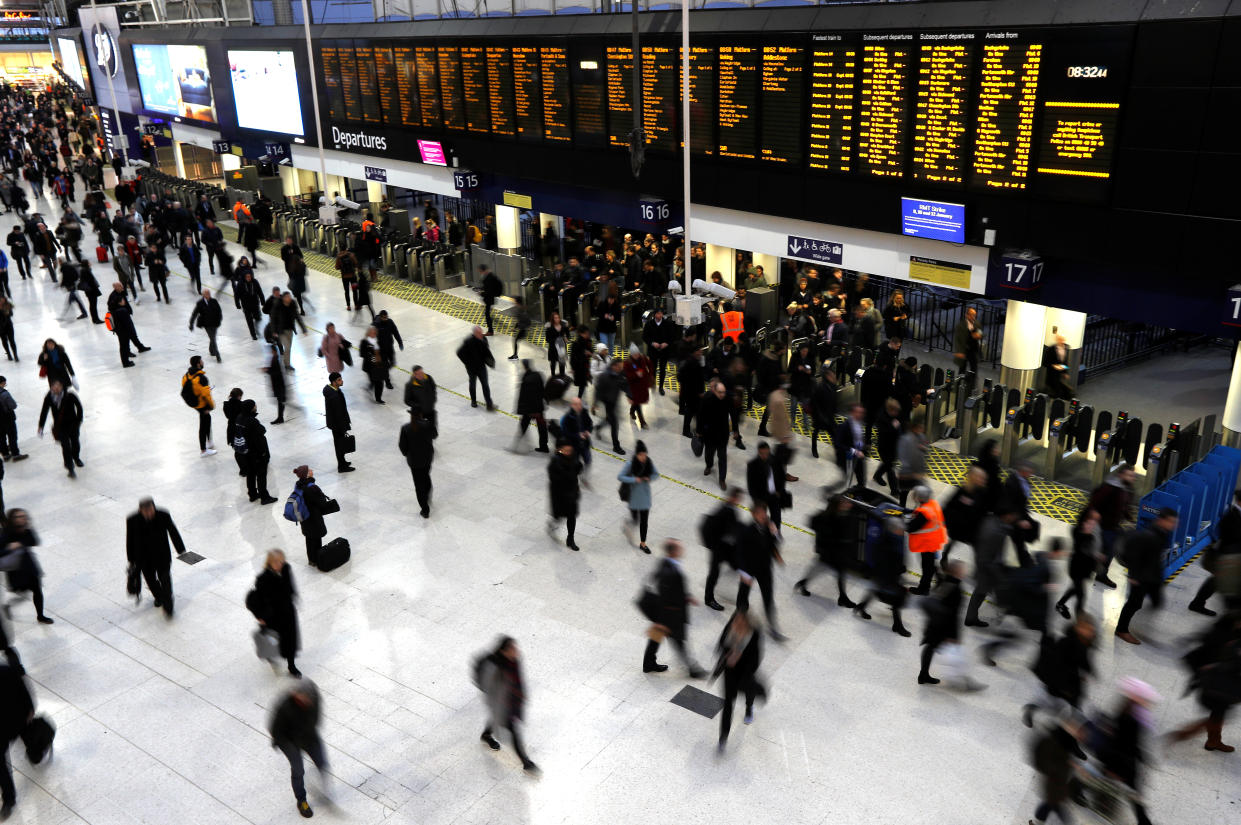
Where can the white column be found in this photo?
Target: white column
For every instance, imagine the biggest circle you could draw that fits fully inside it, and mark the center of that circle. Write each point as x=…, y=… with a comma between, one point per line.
x=374, y=191
x=723, y=260
x=178, y=160
x=770, y=265
x=1232, y=406
x=1072, y=325
x=508, y=228
x=1022, y=353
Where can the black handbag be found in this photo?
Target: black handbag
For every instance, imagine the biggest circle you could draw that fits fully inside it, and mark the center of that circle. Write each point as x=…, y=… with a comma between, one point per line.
x=696, y=445
x=786, y=500
x=330, y=506
x=345, y=355
x=623, y=492
x=133, y=581
x=351, y=443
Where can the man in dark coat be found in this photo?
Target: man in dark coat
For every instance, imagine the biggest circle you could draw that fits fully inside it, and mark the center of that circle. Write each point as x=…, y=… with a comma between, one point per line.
x=531, y=403
x=476, y=355
x=16, y=711
x=673, y=621
x=248, y=296
x=388, y=334
x=257, y=455
x=849, y=441
x=758, y=546
x=1111, y=500
x=761, y=481
x=492, y=288
x=417, y=445
x=1143, y=555
x=66, y=411
x=993, y=532
x=337, y=419
x=659, y=335
x=209, y=316
x=691, y=377
x=147, y=533
x=943, y=618
x=294, y=729
x=421, y=392
x=713, y=426
x=822, y=408
x=719, y=535
x=1016, y=497
x=213, y=241
x=123, y=324
x=1228, y=546
x=564, y=489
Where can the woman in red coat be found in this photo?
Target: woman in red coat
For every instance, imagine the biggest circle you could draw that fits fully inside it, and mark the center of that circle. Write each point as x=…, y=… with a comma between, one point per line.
x=640, y=373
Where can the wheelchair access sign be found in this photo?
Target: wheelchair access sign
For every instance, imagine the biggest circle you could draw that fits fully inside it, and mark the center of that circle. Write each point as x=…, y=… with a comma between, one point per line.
x=813, y=249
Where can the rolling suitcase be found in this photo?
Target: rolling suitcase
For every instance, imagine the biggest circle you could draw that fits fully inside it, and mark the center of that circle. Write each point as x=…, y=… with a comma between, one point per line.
x=333, y=555
x=101, y=254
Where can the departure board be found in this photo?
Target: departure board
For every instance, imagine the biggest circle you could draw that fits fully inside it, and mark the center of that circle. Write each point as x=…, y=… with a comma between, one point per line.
x=882, y=107
x=349, y=84
x=407, y=86
x=528, y=93
x=1007, y=93
x=661, y=69
x=330, y=58
x=941, y=127
x=389, y=96
x=452, y=101
x=368, y=84
x=738, y=75
x=554, y=61
x=474, y=83
x=500, y=91
x=589, y=83
x=783, y=81
x=428, y=87
x=833, y=97
x=702, y=97
x=1077, y=138
x=620, y=94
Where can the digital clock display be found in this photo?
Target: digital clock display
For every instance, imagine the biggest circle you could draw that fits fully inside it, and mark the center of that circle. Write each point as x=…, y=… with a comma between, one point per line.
x=1087, y=71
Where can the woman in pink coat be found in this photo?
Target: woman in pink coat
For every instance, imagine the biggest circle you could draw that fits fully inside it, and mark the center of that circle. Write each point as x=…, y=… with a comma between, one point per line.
x=639, y=372
x=330, y=349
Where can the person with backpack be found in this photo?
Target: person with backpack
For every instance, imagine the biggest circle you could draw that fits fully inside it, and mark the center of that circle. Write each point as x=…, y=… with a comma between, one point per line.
x=196, y=393
x=249, y=443
x=307, y=505
x=498, y=675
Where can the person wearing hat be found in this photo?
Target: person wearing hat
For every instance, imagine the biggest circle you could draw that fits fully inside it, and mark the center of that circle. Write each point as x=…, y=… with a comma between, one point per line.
x=635, y=478
x=313, y=528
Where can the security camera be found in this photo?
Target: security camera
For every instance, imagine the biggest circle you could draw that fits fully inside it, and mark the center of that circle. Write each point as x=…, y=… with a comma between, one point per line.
x=716, y=290
x=345, y=203
x=675, y=287
x=141, y=164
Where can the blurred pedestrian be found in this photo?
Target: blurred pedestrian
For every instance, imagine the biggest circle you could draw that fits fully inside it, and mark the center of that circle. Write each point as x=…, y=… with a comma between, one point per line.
x=17, y=559
x=1144, y=551
x=758, y=547
x=671, y=614
x=499, y=676
x=886, y=575
x=718, y=531
x=834, y=547
x=740, y=653
x=294, y=729
x=1083, y=562
x=272, y=601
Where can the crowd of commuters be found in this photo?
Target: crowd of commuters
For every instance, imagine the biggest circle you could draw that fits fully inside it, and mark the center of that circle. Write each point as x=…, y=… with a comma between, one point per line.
x=717, y=378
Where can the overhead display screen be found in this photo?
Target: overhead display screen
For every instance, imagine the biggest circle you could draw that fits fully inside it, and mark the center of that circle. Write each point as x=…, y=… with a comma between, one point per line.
x=265, y=91
x=935, y=220
x=1024, y=109
x=174, y=81
x=68, y=49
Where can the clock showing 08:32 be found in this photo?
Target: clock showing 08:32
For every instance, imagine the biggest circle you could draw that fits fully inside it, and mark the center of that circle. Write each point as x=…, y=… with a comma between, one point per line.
x=1087, y=71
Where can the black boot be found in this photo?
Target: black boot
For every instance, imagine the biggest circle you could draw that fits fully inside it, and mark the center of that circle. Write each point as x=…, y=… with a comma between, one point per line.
x=649, y=665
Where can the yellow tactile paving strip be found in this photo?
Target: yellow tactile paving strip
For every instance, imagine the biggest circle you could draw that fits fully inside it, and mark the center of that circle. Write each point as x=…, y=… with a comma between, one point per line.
x=1046, y=498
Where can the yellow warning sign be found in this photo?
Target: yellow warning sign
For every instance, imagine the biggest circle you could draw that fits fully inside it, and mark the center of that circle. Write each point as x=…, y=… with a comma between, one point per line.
x=944, y=273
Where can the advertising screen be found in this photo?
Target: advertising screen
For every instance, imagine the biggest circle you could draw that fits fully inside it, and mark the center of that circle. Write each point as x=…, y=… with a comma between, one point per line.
x=68, y=49
x=265, y=91
x=933, y=219
x=174, y=80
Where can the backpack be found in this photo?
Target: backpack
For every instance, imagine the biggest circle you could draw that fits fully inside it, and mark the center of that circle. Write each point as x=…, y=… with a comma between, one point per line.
x=295, y=508
x=187, y=391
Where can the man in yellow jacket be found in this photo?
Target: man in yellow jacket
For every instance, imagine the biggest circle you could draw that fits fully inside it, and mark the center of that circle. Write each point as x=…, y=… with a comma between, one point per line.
x=196, y=393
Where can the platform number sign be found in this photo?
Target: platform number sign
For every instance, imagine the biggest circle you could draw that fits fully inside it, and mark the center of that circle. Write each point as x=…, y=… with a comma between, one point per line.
x=222, y=147
x=1022, y=271
x=465, y=181
x=653, y=211
x=1232, y=310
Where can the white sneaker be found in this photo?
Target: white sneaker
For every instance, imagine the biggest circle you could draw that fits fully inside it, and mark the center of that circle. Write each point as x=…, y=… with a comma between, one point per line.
x=210, y=445
x=208, y=452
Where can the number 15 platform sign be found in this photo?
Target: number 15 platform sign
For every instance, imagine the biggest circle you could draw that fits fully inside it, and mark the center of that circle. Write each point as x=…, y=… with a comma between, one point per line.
x=813, y=249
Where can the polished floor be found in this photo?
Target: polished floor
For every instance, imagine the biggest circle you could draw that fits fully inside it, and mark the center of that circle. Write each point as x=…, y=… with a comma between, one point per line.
x=165, y=721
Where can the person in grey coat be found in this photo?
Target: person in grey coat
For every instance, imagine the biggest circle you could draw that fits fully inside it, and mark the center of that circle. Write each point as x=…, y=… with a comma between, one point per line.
x=294, y=728
x=994, y=531
x=498, y=676
x=635, y=478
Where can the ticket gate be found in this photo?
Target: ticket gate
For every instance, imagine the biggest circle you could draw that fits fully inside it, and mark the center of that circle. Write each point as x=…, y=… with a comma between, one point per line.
x=400, y=260
x=628, y=300
x=1153, y=458
x=980, y=415
x=448, y=268
x=943, y=402
x=1067, y=434
x=1107, y=433
x=1023, y=422
x=532, y=294
x=426, y=265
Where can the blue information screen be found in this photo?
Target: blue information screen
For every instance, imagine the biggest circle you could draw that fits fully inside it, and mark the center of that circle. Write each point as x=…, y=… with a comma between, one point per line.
x=933, y=219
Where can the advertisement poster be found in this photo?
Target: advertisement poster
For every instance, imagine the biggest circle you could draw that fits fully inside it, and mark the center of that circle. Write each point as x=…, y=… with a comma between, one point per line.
x=174, y=80
x=265, y=91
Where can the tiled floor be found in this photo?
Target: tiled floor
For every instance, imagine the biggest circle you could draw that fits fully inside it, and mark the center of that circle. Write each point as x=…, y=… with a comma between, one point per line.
x=163, y=722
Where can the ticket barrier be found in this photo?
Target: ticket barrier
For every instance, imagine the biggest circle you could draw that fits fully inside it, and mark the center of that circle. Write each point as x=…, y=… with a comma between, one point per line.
x=849, y=377
x=400, y=260
x=980, y=415
x=586, y=303
x=448, y=268
x=628, y=301
x=1200, y=494
x=1068, y=434
x=388, y=252
x=532, y=294
x=1108, y=432
x=1023, y=422
x=426, y=266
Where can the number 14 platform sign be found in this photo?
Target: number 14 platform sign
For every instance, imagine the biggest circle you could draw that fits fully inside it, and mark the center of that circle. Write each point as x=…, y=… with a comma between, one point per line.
x=813, y=249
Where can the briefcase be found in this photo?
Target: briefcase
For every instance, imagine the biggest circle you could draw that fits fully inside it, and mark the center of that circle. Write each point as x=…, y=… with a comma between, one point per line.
x=351, y=443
